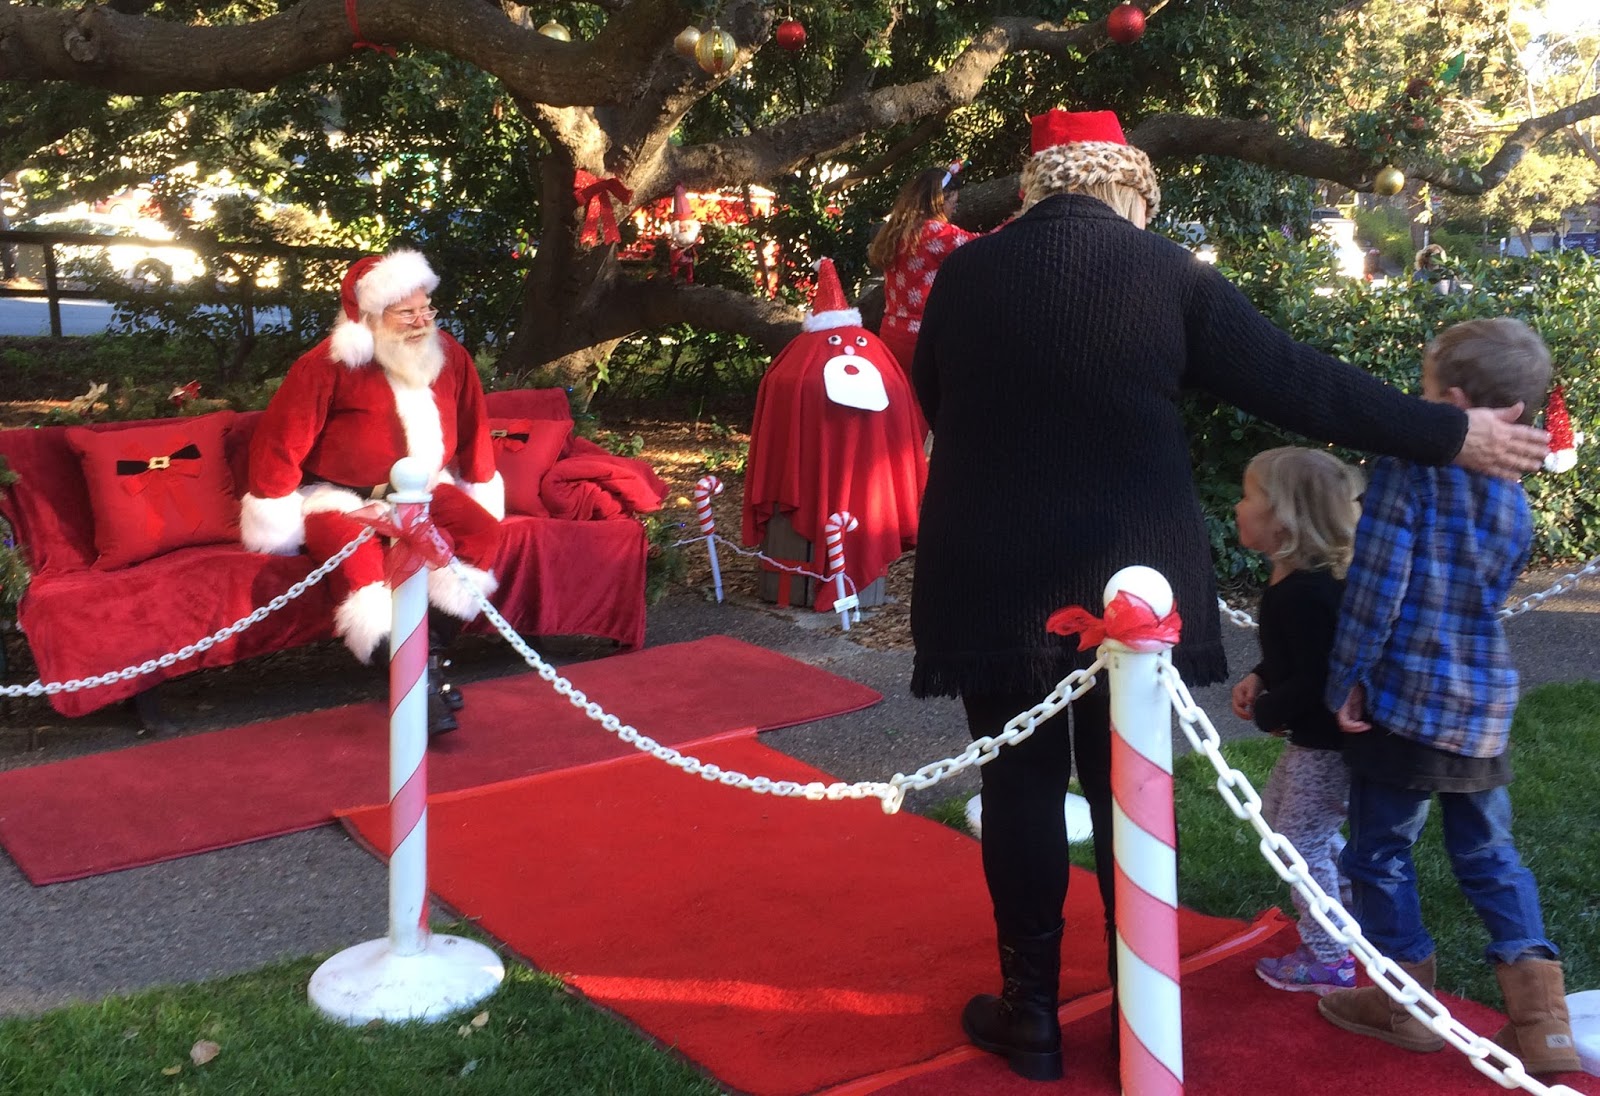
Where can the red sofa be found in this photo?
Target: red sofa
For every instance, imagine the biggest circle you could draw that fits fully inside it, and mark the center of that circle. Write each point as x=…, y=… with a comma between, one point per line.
x=558, y=576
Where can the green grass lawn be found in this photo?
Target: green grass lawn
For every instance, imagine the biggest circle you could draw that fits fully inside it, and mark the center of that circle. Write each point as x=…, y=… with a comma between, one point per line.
x=537, y=1039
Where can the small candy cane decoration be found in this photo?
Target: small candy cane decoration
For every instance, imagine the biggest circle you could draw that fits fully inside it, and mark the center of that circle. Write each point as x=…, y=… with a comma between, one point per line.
x=838, y=524
x=705, y=487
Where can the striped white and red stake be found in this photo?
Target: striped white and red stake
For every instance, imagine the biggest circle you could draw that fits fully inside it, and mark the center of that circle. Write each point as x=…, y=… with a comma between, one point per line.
x=412, y=974
x=838, y=524
x=1144, y=841
x=704, y=489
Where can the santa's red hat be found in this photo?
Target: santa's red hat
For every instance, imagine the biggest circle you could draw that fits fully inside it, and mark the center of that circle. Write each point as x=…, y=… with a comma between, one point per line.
x=1073, y=150
x=370, y=285
x=829, y=309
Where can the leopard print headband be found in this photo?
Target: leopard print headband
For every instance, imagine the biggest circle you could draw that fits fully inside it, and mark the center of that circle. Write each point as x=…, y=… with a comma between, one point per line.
x=1079, y=164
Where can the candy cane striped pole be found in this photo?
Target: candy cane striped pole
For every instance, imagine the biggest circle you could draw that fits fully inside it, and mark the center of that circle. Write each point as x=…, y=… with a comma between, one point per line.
x=1144, y=842
x=705, y=487
x=412, y=974
x=838, y=524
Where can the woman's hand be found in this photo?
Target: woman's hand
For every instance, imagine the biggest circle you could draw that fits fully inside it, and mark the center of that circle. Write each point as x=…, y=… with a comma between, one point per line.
x=1500, y=446
x=1351, y=714
x=1244, y=696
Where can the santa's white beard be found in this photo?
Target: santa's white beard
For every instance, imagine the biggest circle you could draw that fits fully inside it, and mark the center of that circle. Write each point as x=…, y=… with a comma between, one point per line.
x=413, y=360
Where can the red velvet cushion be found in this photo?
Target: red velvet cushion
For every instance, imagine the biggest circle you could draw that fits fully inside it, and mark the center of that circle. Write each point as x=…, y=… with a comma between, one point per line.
x=142, y=509
x=524, y=450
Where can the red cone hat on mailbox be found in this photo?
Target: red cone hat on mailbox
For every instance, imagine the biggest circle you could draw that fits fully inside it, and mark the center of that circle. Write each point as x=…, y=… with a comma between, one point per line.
x=829, y=309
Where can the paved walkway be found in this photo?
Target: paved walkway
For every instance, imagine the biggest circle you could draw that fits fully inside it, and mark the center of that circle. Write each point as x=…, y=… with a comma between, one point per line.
x=229, y=911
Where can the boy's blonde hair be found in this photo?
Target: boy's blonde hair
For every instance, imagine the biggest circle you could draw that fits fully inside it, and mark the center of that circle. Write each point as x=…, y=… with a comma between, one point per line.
x=1315, y=497
x=1496, y=363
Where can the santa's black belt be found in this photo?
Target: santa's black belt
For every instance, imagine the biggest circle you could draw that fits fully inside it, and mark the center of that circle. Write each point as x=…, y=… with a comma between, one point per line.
x=371, y=491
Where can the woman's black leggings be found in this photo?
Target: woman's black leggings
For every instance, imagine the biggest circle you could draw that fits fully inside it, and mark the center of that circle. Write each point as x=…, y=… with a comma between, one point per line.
x=1024, y=789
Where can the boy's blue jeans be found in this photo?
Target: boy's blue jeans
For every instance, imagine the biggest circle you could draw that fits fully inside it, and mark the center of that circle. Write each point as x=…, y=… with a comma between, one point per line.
x=1384, y=825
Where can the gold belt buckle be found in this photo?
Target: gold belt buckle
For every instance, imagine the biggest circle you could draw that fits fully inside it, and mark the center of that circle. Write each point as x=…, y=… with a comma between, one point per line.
x=156, y=464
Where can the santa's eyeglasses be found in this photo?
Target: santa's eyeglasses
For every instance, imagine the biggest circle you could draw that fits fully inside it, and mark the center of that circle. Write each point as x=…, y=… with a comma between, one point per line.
x=409, y=316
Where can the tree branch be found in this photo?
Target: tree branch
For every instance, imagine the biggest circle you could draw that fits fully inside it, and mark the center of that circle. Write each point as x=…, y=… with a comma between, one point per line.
x=657, y=302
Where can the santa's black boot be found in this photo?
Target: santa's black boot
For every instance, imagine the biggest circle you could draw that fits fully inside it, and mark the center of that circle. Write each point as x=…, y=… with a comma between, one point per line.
x=442, y=632
x=1022, y=1023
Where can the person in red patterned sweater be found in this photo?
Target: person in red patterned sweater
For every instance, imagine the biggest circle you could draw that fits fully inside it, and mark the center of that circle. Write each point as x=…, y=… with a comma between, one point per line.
x=909, y=248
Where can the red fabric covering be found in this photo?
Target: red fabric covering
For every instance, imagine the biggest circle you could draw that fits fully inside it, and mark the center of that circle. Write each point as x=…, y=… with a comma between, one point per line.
x=592, y=484
x=556, y=577
x=810, y=457
x=782, y=944
x=1235, y=1026
x=162, y=800
x=157, y=488
x=524, y=450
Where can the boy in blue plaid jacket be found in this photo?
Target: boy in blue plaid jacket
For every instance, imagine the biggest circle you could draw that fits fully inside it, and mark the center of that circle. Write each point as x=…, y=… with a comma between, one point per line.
x=1421, y=678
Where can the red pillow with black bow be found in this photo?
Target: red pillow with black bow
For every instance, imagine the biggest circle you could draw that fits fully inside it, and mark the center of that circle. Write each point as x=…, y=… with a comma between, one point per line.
x=157, y=488
x=524, y=450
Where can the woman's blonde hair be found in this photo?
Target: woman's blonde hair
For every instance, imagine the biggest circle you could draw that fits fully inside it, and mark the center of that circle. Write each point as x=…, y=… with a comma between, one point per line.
x=919, y=201
x=1316, y=499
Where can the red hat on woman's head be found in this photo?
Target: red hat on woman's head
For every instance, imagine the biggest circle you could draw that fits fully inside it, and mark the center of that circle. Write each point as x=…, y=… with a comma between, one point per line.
x=372, y=284
x=1073, y=150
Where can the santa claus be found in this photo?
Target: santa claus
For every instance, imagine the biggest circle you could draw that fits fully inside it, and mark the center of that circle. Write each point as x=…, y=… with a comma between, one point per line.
x=385, y=384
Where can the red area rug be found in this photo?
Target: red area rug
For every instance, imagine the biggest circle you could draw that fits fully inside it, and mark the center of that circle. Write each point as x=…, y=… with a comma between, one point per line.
x=781, y=944
x=164, y=800
x=1240, y=1038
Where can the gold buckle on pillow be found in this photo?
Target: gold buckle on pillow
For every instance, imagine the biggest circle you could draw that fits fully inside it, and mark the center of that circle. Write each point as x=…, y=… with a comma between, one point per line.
x=158, y=463
x=499, y=433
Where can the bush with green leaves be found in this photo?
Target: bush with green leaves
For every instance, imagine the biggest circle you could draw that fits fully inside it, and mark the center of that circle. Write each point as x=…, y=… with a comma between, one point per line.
x=1384, y=331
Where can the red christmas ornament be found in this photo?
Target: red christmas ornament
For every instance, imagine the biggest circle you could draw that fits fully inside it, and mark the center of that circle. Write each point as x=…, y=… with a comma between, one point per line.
x=791, y=34
x=1125, y=24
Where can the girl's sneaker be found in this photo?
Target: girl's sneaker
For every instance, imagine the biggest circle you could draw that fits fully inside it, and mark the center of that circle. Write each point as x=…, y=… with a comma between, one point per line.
x=1301, y=972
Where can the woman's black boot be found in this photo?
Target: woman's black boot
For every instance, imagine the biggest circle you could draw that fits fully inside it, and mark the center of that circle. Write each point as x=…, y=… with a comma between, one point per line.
x=1022, y=1023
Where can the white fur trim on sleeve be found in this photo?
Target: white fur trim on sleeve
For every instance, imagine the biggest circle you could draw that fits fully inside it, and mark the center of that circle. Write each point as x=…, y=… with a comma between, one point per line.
x=491, y=495
x=351, y=343
x=824, y=321
x=274, y=526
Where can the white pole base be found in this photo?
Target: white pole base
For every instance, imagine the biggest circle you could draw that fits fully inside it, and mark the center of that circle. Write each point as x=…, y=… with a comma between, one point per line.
x=369, y=982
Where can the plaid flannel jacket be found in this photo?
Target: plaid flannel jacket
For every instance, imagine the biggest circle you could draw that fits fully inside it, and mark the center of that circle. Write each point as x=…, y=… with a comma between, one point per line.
x=1436, y=553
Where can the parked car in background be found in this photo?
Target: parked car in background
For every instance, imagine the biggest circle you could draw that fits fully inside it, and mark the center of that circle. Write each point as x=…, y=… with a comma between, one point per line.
x=145, y=263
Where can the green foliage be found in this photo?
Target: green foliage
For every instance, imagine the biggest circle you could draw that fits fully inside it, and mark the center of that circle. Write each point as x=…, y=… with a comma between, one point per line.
x=665, y=565
x=14, y=573
x=1384, y=331
x=684, y=362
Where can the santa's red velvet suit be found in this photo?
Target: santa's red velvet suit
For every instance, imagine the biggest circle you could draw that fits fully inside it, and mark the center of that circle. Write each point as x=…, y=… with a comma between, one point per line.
x=334, y=429
x=836, y=428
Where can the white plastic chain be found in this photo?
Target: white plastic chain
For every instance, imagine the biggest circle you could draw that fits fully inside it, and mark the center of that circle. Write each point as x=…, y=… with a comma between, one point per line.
x=778, y=563
x=891, y=793
x=1561, y=585
x=149, y=666
x=1488, y=1058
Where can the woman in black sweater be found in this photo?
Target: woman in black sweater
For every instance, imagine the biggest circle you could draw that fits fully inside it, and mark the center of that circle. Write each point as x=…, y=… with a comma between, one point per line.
x=1049, y=365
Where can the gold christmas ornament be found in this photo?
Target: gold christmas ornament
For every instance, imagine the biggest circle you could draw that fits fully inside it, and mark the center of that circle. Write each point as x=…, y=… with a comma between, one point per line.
x=716, y=51
x=555, y=30
x=1389, y=181
x=688, y=38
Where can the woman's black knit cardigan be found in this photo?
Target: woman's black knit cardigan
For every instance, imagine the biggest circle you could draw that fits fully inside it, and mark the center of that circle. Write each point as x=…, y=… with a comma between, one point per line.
x=1050, y=362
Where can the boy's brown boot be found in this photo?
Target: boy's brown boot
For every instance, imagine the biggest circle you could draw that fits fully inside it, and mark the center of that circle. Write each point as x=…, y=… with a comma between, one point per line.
x=1540, y=1032
x=1370, y=1011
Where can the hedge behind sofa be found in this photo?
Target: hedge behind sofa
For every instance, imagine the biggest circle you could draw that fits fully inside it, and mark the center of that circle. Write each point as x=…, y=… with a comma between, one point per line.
x=557, y=576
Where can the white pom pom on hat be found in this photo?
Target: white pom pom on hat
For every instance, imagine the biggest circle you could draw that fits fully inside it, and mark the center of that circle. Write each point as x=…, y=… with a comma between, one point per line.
x=370, y=285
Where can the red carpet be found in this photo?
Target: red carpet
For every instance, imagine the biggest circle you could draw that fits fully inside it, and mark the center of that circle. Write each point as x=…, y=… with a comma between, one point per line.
x=1240, y=1038
x=168, y=799
x=783, y=945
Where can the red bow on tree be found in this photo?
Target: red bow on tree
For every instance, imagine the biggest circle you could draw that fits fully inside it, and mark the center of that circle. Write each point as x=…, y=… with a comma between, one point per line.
x=183, y=393
x=1129, y=620
x=417, y=541
x=595, y=195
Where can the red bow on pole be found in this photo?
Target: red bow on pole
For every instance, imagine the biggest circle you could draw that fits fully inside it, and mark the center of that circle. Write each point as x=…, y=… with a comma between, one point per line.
x=595, y=196
x=1129, y=620
x=417, y=541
